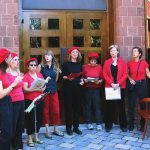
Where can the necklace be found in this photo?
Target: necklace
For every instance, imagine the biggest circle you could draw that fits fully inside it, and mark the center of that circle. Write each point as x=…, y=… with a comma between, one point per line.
x=13, y=72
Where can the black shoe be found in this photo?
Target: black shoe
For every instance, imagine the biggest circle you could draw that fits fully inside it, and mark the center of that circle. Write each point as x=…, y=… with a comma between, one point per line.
x=131, y=128
x=107, y=129
x=142, y=129
x=76, y=130
x=124, y=129
x=69, y=132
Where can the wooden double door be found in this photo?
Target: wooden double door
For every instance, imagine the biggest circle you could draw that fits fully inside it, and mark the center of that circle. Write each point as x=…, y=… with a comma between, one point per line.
x=42, y=30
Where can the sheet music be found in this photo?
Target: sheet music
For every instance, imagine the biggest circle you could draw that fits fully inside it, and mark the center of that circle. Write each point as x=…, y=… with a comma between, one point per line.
x=39, y=83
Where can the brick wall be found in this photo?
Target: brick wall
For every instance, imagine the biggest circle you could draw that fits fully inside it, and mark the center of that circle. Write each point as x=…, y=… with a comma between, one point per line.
x=130, y=29
x=9, y=24
x=130, y=25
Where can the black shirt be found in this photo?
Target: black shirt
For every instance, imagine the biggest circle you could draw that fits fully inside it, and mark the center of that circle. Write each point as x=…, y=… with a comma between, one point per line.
x=71, y=67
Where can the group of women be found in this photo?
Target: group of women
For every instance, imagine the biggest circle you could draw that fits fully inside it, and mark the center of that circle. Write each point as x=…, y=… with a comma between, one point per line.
x=80, y=85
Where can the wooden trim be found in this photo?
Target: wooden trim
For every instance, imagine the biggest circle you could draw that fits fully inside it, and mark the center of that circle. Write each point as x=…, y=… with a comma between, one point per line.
x=111, y=12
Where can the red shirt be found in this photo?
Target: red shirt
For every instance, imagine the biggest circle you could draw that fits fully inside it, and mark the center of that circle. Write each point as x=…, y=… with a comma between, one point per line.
x=28, y=79
x=17, y=92
x=121, y=74
x=4, y=78
x=93, y=72
x=133, y=66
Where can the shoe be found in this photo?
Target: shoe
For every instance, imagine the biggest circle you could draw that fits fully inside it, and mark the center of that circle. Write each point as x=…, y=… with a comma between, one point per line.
x=142, y=129
x=90, y=126
x=30, y=143
x=131, y=128
x=58, y=133
x=69, y=132
x=38, y=141
x=107, y=129
x=124, y=129
x=99, y=127
x=48, y=135
x=77, y=131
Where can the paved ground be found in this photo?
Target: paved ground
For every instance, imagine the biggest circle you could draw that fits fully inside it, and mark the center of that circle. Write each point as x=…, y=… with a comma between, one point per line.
x=94, y=140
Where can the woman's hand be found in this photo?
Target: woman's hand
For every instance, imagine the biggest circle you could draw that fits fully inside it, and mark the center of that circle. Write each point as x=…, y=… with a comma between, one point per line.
x=17, y=80
x=82, y=82
x=99, y=81
x=65, y=77
x=114, y=86
x=132, y=81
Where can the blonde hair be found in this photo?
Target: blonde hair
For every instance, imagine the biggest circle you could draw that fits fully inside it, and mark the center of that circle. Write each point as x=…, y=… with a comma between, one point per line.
x=54, y=62
x=113, y=46
x=79, y=58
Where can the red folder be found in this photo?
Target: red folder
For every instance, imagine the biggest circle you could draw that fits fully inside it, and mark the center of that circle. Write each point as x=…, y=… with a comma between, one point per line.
x=74, y=75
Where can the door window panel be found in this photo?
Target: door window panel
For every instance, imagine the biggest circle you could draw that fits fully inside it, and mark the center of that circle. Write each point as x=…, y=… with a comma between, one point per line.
x=35, y=23
x=35, y=42
x=95, y=41
x=53, y=42
x=77, y=23
x=53, y=24
x=78, y=41
x=94, y=24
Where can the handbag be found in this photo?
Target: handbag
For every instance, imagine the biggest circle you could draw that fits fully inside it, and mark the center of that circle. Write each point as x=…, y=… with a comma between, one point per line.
x=131, y=86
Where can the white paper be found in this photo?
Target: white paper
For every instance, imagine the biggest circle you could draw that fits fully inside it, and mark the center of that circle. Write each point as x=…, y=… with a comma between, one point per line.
x=89, y=79
x=112, y=94
x=38, y=83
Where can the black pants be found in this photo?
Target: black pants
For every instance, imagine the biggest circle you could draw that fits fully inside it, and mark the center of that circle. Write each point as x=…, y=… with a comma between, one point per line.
x=5, y=123
x=138, y=92
x=109, y=111
x=92, y=102
x=30, y=117
x=72, y=105
x=18, y=124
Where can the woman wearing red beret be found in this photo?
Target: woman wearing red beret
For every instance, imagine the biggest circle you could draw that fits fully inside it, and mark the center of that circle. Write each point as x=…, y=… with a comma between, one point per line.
x=115, y=75
x=30, y=95
x=71, y=73
x=138, y=69
x=6, y=86
x=92, y=77
x=17, y=97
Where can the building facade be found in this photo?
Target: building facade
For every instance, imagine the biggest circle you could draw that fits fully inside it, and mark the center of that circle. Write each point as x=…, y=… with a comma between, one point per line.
x=129, y=25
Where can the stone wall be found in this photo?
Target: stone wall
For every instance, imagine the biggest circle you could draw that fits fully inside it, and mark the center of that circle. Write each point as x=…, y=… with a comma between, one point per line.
x=130, y=25
x=9, y=24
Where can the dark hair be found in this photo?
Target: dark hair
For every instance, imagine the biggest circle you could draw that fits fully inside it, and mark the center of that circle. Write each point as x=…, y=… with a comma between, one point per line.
x=3, y=66
x=94, y=59
x=139, y=50
x=33, y=61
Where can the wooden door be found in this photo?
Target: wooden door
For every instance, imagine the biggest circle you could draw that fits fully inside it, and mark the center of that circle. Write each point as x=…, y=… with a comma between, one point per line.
x=88, y=30
x=63, y=29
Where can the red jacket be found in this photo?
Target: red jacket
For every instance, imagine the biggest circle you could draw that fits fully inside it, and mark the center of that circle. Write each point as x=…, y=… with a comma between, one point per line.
x=121, y=75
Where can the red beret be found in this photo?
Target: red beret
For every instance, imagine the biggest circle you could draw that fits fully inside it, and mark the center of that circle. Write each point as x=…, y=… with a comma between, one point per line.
x=71, y=49
x=29, y=60
x=13, y=55
x=93, y=55
x=3, y=54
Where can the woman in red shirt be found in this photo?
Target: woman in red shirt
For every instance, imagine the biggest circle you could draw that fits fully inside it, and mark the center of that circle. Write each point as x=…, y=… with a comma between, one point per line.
x=5, y=102
x=92, y=77
x=30, y=95
x=137, y=70
x=115, y=75
x=17, y=97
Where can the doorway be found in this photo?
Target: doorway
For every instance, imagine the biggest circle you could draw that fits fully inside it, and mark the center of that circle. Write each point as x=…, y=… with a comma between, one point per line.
x=54, y=30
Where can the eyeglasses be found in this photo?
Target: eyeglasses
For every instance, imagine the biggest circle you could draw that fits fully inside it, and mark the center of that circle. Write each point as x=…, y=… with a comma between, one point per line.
x=33, y=65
